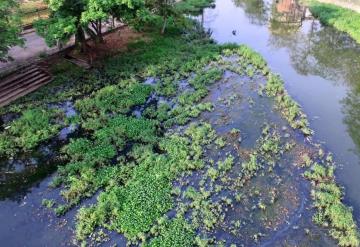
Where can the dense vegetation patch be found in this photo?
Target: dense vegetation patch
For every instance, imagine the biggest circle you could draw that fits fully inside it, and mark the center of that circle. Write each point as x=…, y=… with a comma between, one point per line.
x=331, y=212
x=343, y=19
x=146, y=195
x=176, y=232
x=25, y=133
x=288, y=107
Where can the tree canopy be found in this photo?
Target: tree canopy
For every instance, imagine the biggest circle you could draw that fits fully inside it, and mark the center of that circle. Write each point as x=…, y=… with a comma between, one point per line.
x=80, y=17
x=86, y=17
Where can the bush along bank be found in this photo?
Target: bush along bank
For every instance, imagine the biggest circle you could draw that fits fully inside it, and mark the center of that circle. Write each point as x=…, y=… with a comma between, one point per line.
x=141, y=136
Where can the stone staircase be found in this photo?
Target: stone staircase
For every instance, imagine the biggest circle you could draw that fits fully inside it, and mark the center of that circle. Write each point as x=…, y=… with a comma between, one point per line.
x=22, y=82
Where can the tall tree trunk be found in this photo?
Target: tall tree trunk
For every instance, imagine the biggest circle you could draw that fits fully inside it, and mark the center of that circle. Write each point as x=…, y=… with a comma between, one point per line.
x=99, y=32
x=164, y=24
x=80, y=39
x=96, y=33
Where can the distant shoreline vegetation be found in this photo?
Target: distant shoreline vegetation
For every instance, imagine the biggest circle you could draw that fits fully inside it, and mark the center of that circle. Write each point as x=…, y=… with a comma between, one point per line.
x=342, y=19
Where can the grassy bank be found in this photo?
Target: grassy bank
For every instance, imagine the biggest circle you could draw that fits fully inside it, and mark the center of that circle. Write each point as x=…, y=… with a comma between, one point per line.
x=343, y=19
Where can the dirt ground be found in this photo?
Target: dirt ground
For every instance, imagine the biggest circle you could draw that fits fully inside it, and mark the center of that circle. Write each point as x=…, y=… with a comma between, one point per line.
x=114, y=42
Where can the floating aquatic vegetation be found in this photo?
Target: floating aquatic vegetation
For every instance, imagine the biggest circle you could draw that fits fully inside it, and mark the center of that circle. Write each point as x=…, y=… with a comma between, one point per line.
x=130, y=209
x=30, y=129
x=288, y=107
x=176, y=232
x=331, y=212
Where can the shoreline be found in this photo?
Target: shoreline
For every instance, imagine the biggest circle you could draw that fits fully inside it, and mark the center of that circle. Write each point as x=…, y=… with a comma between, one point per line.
x=342, y=4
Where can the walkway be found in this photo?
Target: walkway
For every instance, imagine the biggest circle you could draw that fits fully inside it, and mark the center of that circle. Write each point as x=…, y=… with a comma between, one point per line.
x=36, y=47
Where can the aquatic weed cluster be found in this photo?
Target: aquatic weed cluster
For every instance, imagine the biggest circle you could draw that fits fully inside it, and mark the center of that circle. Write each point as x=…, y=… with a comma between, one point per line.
x=26, y=132
x=288, y=107
x=331, y=212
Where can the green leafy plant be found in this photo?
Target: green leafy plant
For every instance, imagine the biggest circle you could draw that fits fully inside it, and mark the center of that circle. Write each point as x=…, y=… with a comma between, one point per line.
x=25, y=133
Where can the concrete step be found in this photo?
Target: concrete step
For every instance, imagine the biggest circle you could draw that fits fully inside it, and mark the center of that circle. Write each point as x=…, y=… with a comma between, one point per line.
x=22, y=82
x=30, y=79
x=17, y=75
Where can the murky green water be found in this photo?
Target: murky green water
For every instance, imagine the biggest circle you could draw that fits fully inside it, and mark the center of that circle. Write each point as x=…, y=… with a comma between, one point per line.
x=321, y=68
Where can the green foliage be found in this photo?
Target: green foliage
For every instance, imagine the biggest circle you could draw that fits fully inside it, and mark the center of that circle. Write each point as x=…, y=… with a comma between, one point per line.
x=205, y=78
x=147, y=192
x=206, y=214
x=61, y=210
x=73, y=17
x=82, y=149
x=201, y=134
x=251, y=166
x=88, y=168
x=212, y=173
x=267, y=152
x=182, y=114
x=274, y=85
x=188, y=98
x=227, y=164
x=269, y=146
x=306, y=160
x=120, y=129
x=319, y=173
x=25, y=133
x=174, y=233
x=113, y=99
x=343, y=19
x=330, y=209
x=48, y=203
x=147, y=197
x=289, y=108
x=10, y=27
x=251, y=57
x=193, y=7
x=56, y=29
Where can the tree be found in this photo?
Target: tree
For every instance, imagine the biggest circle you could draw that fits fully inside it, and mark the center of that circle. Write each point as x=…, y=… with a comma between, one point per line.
x=173, y=8
x=81, y=17
x=194, y=7
x=162, y=8
x=9, y=28
x=63, y=22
